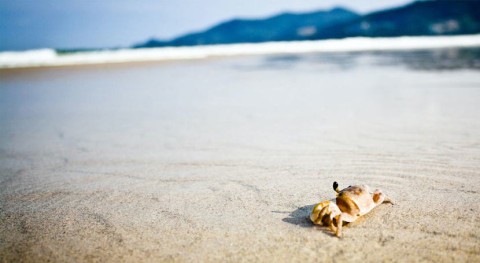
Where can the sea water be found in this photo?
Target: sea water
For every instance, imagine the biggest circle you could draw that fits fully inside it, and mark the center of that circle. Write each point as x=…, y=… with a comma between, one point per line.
x=50, y=57
x=412, y=101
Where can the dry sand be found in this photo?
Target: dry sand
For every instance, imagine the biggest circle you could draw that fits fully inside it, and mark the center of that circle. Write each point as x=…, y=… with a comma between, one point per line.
x=222, y=161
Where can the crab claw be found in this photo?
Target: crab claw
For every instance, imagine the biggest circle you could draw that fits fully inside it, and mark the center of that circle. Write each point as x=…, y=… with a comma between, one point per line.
x=317, y=209
x=324, y=212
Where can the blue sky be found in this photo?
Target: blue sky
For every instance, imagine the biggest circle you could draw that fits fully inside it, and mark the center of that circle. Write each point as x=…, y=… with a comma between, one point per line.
x=31, y=24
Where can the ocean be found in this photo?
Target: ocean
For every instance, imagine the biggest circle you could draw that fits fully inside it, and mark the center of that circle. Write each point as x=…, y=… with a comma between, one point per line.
x=51, y=57
x=266, y=101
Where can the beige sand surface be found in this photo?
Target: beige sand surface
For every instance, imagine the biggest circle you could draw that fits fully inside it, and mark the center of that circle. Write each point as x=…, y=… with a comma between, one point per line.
x=222, y=161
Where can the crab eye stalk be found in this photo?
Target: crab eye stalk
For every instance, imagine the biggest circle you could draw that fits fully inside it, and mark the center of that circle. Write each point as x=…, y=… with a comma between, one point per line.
x=335, y=187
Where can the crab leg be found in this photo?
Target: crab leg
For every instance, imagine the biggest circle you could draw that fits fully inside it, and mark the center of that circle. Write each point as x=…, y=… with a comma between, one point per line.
x=332, y=226
x=379, y=197
x=338, y=233
x=322, y=213
x=388, y=200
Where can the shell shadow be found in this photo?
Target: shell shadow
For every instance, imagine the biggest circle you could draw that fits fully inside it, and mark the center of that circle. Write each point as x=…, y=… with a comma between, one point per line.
x=300, y=216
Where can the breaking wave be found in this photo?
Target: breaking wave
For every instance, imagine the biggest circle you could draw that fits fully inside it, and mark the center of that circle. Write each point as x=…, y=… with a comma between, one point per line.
x=49, y=57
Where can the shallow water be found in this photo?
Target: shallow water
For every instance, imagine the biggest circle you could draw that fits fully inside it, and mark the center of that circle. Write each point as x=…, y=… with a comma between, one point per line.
x=134, y=154
x=244, y=103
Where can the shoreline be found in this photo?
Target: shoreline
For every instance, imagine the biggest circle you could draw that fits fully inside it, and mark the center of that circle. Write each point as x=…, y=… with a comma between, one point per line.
x=50, y=58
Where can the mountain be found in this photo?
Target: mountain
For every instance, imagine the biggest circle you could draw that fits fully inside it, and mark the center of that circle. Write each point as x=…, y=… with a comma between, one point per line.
x=415, y=19
x=421, y=18
x=282, y=27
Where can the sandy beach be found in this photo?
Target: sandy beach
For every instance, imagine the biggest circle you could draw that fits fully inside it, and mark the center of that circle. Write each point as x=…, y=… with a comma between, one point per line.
x=221, y=160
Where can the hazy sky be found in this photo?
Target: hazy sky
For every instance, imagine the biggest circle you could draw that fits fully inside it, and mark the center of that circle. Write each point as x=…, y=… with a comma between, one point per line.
x=28, y=24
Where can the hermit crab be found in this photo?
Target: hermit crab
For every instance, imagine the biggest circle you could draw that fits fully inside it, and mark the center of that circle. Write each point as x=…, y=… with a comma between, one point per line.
x=350, y=203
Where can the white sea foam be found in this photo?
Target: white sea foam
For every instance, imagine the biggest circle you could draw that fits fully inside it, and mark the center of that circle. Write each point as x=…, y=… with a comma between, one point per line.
x=48, y=57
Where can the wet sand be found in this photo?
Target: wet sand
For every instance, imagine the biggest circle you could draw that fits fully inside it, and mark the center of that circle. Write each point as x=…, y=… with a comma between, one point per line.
x=222, y=160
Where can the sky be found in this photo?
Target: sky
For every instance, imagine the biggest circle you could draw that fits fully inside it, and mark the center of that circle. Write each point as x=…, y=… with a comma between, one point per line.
x=34, y=24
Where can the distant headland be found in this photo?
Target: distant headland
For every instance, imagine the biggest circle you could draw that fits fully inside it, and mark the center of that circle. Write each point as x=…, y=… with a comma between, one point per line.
x=420, y=18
